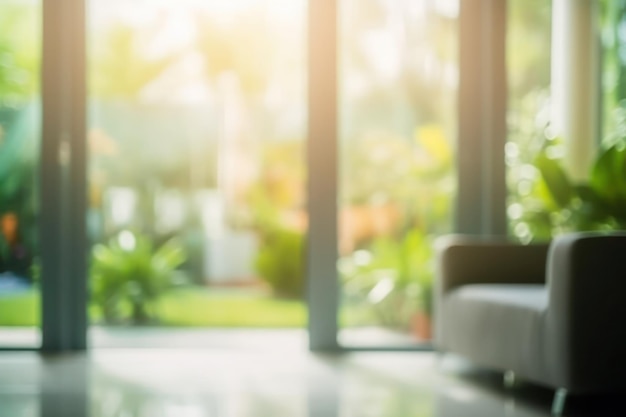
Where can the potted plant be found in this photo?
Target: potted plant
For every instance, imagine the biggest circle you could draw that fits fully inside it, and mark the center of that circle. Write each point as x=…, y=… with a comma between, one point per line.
x=421, y=320
x=416, y=270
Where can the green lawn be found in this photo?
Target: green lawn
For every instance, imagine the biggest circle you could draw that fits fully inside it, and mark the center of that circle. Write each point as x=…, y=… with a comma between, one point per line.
x=185, y=308
x=20, y=309
x=198, y=307
x=222, y=308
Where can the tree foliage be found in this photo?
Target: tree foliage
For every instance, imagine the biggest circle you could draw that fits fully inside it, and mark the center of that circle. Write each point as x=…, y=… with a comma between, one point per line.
x=19, y=53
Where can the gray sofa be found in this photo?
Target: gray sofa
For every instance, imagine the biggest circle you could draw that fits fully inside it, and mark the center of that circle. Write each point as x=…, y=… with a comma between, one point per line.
x=553, y=314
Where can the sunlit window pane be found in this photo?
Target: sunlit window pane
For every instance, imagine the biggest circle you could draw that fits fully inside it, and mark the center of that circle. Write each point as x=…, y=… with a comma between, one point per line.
x=20, y=50
x=398, y=83
x=528, y=68
x=197, y=125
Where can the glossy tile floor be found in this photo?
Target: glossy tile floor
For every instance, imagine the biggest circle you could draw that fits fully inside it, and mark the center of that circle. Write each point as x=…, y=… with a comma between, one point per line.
x=264, y=383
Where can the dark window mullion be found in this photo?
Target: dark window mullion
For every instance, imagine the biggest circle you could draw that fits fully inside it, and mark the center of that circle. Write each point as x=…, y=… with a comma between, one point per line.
x=63, y=177
x=322, y=161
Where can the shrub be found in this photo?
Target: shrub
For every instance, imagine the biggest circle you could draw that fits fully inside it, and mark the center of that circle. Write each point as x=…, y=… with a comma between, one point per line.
x=280, y=262
x=128, y=275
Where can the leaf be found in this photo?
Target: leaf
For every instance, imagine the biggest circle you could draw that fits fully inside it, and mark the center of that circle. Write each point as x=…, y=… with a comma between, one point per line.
x=593, y=201
x=602, y=175
x=135, y=275
x=170, y=255
x=556, y=180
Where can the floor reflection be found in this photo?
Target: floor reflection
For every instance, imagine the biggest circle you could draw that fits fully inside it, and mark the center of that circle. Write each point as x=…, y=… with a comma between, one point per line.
x=154, y=383
x=65, y=385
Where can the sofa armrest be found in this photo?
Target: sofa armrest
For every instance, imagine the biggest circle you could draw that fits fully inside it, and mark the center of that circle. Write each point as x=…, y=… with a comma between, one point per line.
x=585, y=331
x=465, y=260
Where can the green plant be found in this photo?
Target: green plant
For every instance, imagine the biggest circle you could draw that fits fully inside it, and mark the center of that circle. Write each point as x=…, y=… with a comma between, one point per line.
x=393, y=278
x=18, y=172
x=597, y=203
x=280, y=262
x=129, y=274
x=416, y=270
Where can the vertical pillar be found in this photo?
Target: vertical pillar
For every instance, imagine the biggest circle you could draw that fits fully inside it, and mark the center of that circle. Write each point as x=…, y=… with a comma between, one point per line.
x=575, y=86
x=322, y=162
x=481, y=200
x=63, y=237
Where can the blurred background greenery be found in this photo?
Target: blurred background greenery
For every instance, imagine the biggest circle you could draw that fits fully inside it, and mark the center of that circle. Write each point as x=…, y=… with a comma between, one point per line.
x=197, y=126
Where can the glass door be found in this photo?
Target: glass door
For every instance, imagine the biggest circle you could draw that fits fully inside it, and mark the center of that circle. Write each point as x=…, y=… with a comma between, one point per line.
x=197, y=120
x=20, y=51
x=398, y=81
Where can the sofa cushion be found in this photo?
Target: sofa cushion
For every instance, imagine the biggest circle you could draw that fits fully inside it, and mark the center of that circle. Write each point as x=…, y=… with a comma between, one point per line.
x=497, y=324
x=524, y=296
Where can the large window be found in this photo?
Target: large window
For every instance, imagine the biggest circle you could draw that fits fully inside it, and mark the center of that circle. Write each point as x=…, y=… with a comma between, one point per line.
x=19, y=147
x=195, y=145
x=197, y=119
x=398, y=83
